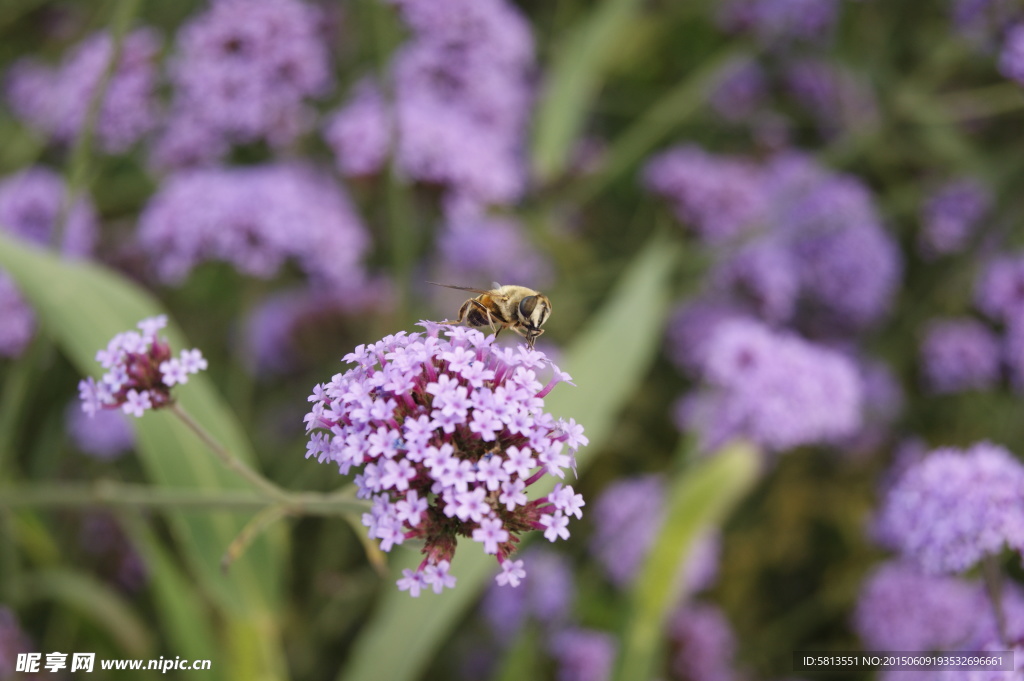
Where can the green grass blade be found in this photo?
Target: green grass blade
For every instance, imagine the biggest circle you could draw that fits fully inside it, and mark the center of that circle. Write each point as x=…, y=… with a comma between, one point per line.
x=699, y=499
x=607, y=362
x=573, y=83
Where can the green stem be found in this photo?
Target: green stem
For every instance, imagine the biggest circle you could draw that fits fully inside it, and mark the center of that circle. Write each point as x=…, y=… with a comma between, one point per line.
x=17, y=390
x=108, y=493
x=233, y=463
x=993, y=578
x=983, y=102
x=81, y=153
x=253, y=529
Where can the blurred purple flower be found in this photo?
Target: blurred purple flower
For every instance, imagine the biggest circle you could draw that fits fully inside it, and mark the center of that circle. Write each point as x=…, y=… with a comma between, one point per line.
x=30, y=206
x=583, y=654
x=255, y=218
x=105, y=435
x=703, y=643
x=958, y=355
x=718, y=197
x=740, y=90
x=849, y=266
x=627, y=517
x=950, y=217
x=360, y=132
x=775, y=388
x=999, y=289
x=55, y=101
x=984, y=22
x=902, y=609
x=273, y=330
x=773, y=21
x=242, y=71
x=1011, y=59
x=691, y=328
x=955, y=507
x=835, y=97
x=101, y=536
x=476, y=246
x=461, y=102
x=764, y=277
x=447, y=435
x=545, y=595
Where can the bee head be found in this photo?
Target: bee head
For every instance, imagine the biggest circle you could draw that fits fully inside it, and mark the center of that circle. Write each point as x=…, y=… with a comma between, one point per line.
x=533, y=312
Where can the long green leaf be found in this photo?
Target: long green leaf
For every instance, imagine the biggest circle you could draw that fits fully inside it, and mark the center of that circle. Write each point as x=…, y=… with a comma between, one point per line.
x=607, y=362
x=83, y=305
x=573, y=82
x=94, y=600
x=699, y=499
x=184, y=618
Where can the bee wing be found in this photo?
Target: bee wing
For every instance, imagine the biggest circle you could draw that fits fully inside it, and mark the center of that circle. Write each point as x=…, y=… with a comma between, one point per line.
x=470, y=289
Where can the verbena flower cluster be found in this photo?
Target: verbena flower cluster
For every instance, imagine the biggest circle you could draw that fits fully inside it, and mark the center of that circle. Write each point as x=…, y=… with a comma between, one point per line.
x=796, y=243
x=447, y=435
x=242, y=71
x=255, y=218
x=702, y=643
x=955, y=507
x=56, y=101
x=30, y=206
x=774, y=388
x=583, y=654
x=960, y=354
x=104, y=434
x=140, y=371
x=951, y=216
x=460, y=102
x=900, y=608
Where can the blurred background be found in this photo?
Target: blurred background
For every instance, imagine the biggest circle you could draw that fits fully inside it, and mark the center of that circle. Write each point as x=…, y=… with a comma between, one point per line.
x=838, y=180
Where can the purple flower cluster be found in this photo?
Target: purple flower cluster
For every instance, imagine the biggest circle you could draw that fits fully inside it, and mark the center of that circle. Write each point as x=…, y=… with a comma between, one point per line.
x=461, y=98
x=242, y=71
x=955, y=507
x=476, y=246
x=447, y=435
x=719, y=198
x=902, y=609
x=951, y=215
x=583, y=654
x=30, y=206
x=960, y=354
x=775, y=388
x=104, y=434
x=820, y=248
x=773, y=21
x=255, y=218
x=999, y=290
x=1011, y=59
x=703, y=644
x=140, y=371
x=55, y=101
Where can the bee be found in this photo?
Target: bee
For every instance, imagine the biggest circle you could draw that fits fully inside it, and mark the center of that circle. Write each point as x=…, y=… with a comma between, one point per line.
x=505, y=307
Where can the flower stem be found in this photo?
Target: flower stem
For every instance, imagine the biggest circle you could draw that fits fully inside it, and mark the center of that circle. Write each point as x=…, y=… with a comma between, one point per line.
x=233, y=463
x=253, y=529
x=112, y=494
x=992, y=576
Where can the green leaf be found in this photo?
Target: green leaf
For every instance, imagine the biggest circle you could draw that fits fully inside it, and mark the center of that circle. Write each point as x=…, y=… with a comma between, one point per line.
x=83, y=305
x=607, y=362
x=96, y=601
x=699, y=499
x=573, y=82
x=184, y=618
